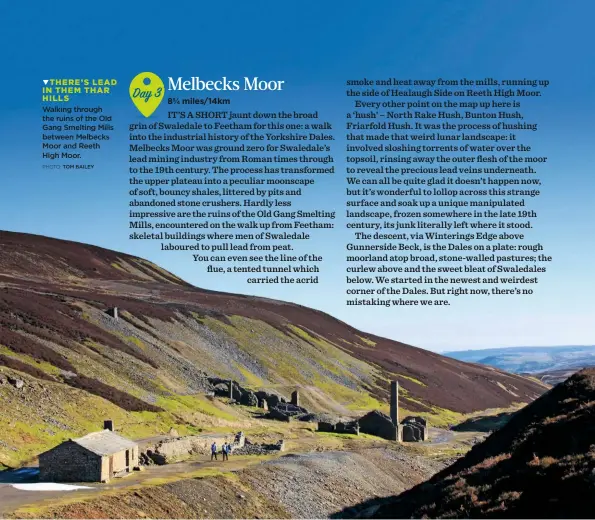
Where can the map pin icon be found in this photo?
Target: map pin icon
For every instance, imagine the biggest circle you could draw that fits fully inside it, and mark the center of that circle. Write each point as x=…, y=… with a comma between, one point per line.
x=146, y=91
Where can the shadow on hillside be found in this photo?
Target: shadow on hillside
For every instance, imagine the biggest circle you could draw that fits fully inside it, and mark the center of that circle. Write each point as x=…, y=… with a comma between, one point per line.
x=365, y=509
x=484, y=424
x=19, y=476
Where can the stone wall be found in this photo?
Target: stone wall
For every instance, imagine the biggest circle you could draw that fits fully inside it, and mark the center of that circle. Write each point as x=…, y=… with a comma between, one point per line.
x=119, y=460
x=69, y=462
x=177, y=449
x=379, y=424
x=415, y=429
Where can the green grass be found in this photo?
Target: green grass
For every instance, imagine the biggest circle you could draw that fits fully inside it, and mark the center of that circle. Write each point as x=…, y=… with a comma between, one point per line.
x=367, y=341
x=166, y=274
x=301, y=358
x=117, y=266
x=41, y=509
x=409, y=378
x=192, y=403
x=438, y=452
x=48, y=368
x=136, y=341
x=361, y=436
x=355, y=400
x=250, y=380
x=81, y=413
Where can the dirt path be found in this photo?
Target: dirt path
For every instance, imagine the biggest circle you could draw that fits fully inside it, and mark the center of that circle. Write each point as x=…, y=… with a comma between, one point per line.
x=321, y=450
x=315, y=484
x=12, y=498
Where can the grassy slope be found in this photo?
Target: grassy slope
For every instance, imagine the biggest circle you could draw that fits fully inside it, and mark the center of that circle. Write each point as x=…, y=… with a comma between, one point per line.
x=146, y=370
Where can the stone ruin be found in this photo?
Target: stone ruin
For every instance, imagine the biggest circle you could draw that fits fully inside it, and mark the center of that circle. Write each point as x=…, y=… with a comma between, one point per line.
x=347, y=427
x=271, y=399
x=380, y=425
x=411, y=429
x=286, y=412
x=241, y=395
x=176, y=449
x=415, y=429
x=274, y=404
x=251, y=448
x=113, y=312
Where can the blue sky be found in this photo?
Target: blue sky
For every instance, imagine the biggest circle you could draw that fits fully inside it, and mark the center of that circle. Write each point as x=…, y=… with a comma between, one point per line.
x=315, y=47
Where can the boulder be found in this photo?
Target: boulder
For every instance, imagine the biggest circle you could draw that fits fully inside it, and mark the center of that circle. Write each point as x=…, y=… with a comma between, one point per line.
x=17, y=383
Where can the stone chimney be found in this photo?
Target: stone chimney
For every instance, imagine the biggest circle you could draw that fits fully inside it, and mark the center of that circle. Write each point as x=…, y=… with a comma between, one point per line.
x=394, y=402
x=108, y=424
x=295, y=398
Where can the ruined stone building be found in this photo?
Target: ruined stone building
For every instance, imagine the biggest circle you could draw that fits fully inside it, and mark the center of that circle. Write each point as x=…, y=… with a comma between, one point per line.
x=96, y=457
x=113, y=312
x=415, y=429
x=411, y=429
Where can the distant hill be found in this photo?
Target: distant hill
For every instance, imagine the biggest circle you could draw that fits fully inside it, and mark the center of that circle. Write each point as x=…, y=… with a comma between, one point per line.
x=531, y=360
x=541, y=464
x=148, y=369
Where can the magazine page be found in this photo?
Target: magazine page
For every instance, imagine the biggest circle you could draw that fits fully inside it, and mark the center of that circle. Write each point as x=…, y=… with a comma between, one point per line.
x=297, y=260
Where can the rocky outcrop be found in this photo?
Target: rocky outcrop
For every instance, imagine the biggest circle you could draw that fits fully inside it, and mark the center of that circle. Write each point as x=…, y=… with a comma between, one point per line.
x=14, y=381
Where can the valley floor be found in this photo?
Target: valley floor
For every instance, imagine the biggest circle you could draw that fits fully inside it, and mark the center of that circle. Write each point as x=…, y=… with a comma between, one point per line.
x=320, y=475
